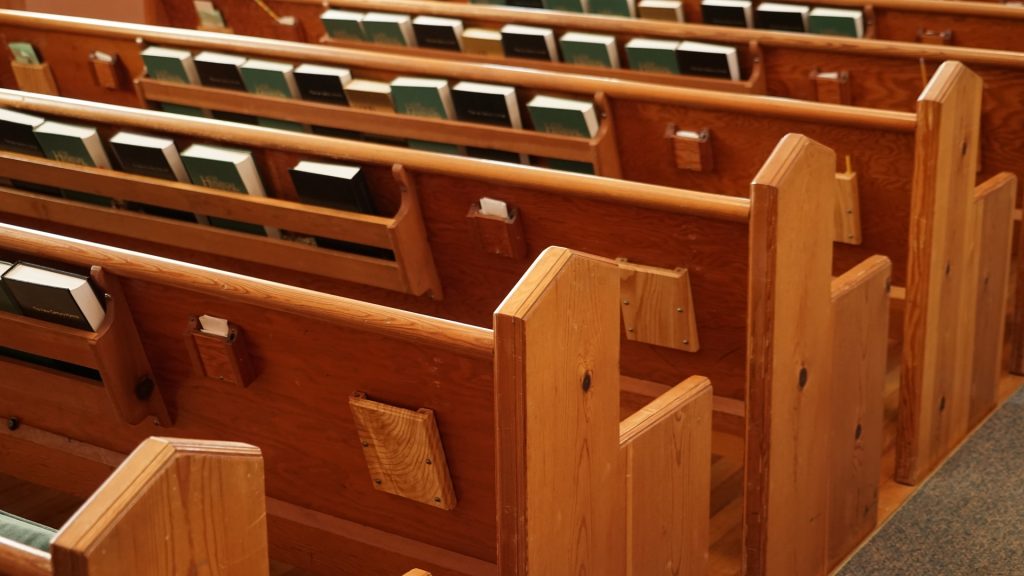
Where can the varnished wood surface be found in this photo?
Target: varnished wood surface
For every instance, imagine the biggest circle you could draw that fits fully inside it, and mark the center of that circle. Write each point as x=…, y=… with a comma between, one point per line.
x=561, y=486
x=16, y=558
x=941, y=290
x=790, y=363
x=860, y=334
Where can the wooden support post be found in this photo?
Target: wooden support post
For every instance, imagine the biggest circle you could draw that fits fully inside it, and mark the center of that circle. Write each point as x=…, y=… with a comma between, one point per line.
x=939, y=322
x=666, y=449
x=790, y=363
x=561, y=490
x=860, y=337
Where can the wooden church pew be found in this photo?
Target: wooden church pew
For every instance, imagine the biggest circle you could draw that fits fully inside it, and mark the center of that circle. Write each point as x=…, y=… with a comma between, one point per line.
x=961, y=23
x=885, y=154
x=171, y=503
x=805, y=195
x=498, y=481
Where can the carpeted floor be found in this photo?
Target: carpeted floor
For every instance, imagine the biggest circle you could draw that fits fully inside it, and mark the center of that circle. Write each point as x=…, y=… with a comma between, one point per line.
x=968, y=519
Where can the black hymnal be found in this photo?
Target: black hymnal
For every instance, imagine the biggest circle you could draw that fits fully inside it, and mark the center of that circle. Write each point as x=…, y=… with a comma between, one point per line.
x=17, y=134
x=54, y=296
x=322, y=83
x=726, y=12
x=340, y=187
x=487, y=104
x=218, y=70
x=708, y=60
x=525, y=3
x=154, y=157
x=439, y=33
x=783, y=17
x=528, y=42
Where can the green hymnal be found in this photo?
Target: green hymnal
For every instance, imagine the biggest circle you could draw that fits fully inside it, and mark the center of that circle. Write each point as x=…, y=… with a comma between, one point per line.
x=430, y=97
x=589, y=49
x=172, y=65
x=836, y=21
x=567, y=117
x=228, y=169
x=567, y=5
x=275, y=79
x=344, y=24
x=387, y=28
x=614, y=7
x=74, y=144
x=23, y=52
x=653, y=55
x=208, y=14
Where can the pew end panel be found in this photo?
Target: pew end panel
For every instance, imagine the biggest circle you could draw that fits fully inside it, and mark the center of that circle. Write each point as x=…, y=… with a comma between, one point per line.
x=860, y=338
x=666, y=452
x=172, y=502
x=790, y=361
x=940, y=329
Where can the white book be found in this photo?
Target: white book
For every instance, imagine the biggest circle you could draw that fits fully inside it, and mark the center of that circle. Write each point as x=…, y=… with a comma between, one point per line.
x=88, y=136
x=529, y=42
x=572, y=40
x=703, y=66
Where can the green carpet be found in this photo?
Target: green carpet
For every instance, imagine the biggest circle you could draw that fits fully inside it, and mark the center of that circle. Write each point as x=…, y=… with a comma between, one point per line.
x=968, y=519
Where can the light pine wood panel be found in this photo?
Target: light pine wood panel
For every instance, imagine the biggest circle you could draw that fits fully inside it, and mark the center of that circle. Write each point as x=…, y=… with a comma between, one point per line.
x=939, y=334
x=860, y=335
x=561, y=490
x=789, y=361
x=666, y=448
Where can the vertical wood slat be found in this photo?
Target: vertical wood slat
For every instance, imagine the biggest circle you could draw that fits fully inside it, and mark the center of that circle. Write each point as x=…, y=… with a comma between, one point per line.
x=860, y=336
x=561, y=492
x=666, y=449
x=996, y=199
x=210, y=496
x=789, y=360
x=939, y=324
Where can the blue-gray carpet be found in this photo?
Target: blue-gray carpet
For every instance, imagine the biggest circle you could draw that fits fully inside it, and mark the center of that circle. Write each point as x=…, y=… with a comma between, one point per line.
x=968, y=519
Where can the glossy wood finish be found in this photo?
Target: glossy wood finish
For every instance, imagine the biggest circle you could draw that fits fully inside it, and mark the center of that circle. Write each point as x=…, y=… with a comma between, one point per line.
x=860, y=338
x=666, y=447
x=561, y=487
x=17, y=559
x=210, y=495
x=939, y=321
x=790, y=362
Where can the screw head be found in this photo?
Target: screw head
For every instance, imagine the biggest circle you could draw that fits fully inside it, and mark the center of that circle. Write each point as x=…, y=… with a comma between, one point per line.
x=13, y=423
x=686, y=342
x=625, y=302
x=365, y=444
x=857, y=432
x=378, y=481
x=437, y=499
x=942, y=404
x=679, y=310
x=428, y=461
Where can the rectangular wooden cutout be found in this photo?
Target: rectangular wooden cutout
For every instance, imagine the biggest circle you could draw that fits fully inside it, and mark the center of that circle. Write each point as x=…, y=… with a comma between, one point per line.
x=692, y=150
x=497, y=235
x=832, y=87
x=403, y=451
x=35, y=78
x=847, y=212
x=657, y=306
x=218, y=357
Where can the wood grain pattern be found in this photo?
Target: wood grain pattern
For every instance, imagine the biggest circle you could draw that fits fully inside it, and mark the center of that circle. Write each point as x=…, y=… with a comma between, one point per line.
x=209, y=495
x=790, y=361
x=860, y=335
x=20, y=560
x=939, y=335
x=404, y=452
x=561, y=491
x=657, y=306
x=847, y=221
x=666, y=448
x=996, y=199
x=34, y=78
